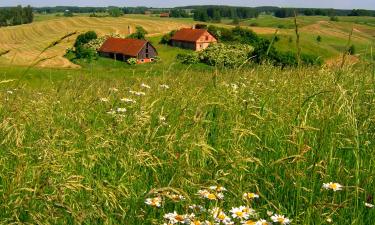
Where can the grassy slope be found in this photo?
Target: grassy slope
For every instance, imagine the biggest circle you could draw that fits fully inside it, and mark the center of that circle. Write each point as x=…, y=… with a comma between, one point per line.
x=281, y=134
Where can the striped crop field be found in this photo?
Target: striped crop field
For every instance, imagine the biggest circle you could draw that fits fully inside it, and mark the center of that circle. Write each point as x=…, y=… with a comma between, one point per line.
x=25, y=42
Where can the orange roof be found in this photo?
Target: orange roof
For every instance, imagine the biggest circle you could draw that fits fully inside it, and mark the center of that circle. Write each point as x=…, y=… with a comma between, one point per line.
x=128, y=47
x=188, y=34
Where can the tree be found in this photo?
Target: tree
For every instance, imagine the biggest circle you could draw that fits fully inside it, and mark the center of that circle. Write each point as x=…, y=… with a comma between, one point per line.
x=115, y=12
x=68, y=13
x=140, y=33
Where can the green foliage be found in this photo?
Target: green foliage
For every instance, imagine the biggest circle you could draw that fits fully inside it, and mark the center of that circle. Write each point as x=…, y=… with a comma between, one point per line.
x=85, y=38
x=16, y=15
x=82, y=49
x=236, y=21
x=166, y=39
x=279, y=133
x=179, y=13
x=188, y=58
x=140, y=33
x=115, y=12
x=226, y=55
x=132, y=61
x=334, y=19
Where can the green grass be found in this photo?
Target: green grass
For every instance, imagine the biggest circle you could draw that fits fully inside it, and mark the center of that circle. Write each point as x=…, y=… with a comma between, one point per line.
x=282, y=134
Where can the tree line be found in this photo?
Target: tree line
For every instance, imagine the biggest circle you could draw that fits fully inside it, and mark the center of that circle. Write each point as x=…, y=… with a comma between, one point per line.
x=11, y=16
x=289, y=12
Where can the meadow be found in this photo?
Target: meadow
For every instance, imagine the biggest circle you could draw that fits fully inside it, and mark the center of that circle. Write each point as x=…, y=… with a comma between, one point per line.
x=109, y=143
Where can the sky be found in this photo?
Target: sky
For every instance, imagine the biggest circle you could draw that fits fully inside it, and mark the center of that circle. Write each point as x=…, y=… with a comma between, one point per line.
x=338, y=4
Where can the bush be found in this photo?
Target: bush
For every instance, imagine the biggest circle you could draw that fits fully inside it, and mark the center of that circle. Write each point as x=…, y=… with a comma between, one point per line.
x=132, y=61
x=140, y=33
x=226, y=55
x=200, y=26
x=85, y=38
x=68, y=14
x=334, y=18
x=166, y=39
x=188, y=58
x=254, y=24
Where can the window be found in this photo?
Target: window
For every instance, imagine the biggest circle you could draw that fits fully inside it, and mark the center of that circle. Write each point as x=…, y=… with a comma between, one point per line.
x=207, y=37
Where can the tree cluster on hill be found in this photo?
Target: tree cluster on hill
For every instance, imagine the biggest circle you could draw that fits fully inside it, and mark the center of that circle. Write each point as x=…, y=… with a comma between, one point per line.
x=215, y=13
x=16, y=15
x=179, y=13
x=81, y=50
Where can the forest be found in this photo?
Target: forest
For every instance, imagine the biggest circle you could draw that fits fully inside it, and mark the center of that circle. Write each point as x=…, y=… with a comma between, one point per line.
x=11, y=16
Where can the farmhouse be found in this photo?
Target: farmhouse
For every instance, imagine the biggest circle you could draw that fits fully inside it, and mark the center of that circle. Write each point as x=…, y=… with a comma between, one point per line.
x=123, y=49
x=195, y=39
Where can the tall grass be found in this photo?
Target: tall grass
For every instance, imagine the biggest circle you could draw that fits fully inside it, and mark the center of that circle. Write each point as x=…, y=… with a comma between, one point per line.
x=281, y=133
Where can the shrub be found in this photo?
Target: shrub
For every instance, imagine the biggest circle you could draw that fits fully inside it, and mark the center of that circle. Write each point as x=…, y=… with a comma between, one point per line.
x=334, y=18
x=200, y=26
x=68, y=14
x=254, y=24
x=140, y=33
x=226, y=55
x=188, y=58
x=166, y=39
x=132, y=61
x=85, y=38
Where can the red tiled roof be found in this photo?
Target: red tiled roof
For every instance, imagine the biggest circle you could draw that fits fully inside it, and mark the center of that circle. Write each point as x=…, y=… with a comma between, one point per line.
x=188, y=34
x=128, y=47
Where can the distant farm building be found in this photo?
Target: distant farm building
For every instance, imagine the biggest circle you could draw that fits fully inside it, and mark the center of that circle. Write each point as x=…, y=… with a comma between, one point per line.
x=165, y=15
x=194, y=39
x=122, y=49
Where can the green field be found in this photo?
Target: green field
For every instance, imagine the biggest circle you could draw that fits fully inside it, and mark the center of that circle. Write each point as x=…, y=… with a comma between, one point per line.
x=89, y=145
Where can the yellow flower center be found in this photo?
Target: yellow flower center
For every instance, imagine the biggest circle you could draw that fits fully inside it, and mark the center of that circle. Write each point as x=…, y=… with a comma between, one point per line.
x=250, y=222
x=179, y=218
x=239, y=214
x=333, y=186
x=221, y=216
x=211, y=196
x=197, y=222
x=280, y=220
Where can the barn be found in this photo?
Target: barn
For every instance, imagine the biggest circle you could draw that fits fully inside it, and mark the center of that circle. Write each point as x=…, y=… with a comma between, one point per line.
x=123, y=49
x=194, y=39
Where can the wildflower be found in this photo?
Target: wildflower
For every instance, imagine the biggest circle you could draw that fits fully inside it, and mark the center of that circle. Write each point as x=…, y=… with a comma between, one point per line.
x=154, y=202
x=281, y=219
x=248, y=210
x=207, y=194
x=162, y=118
x=113, y=89
x=220, y=216
x=139, y=93
x=368, y=205
x=217, y=188
x=175, y=218
x=269, y=213
x=10, y=92
x=239, y=213
x=332, y=186
x=262, y=222
x=111, y=112
x=250, y=222
x=121, y=110
x=164, y=86
x=145, y=86
x=329, y=220
x=220, y=195
x=128, y=100
x=104, y=99
x=250, y=196
x=175, y=197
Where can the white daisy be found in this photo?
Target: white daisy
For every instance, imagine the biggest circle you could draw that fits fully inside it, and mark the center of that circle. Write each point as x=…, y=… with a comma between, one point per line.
x=164, y=86
x=369, y=205
x=121, y=110
x=281, y=219
x=250, y=196
x=333, y=186
x=104, y=99
x=262, y=222
x=154, y=202
x=239, y=213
